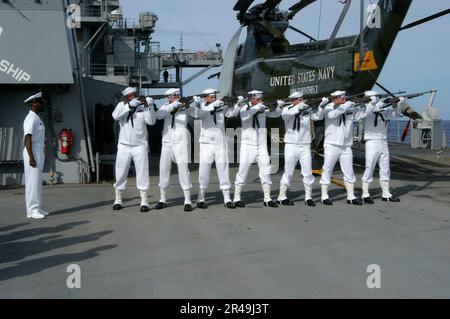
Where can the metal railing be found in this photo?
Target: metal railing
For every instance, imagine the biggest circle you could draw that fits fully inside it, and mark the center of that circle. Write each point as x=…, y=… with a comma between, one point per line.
x=101, y=69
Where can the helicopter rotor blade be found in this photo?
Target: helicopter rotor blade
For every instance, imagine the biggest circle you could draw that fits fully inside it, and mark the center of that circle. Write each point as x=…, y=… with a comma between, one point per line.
x=225, y=86
x=269, y=5
x=242, y=6
x=296, y=8
x=338, y=24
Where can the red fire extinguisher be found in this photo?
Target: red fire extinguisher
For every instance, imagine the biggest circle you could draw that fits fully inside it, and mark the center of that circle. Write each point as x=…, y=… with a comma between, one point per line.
x=66, y=139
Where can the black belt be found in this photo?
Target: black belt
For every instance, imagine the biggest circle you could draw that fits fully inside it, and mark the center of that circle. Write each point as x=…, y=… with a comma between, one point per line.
x=378, y=114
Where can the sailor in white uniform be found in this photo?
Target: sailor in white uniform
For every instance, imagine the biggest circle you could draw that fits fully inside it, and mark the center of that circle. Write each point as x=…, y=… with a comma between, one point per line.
x=213, y=144
x=375, y=118
x=175, y=144
x=34, y=157
x=339, y=116
x=133, y=117
x=254, y=146
x=297, y=120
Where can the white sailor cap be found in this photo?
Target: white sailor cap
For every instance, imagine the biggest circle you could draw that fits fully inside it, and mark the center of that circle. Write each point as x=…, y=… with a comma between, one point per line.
x=370, y=93
x=210, y=92
x=34, y=97
x=129, y=90
x=171, y=92
x=256, y=94
x=337, y=94
x=295, y=95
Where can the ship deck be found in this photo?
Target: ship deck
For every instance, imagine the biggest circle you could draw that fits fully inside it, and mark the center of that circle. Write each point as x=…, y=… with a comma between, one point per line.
x=256, y=252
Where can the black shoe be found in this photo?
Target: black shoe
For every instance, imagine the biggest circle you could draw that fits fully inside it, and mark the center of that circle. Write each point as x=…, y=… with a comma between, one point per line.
x=286, y=202
x=160, y=205
x=202, y=205
x=239, y=204
x=270, y=204
x=117, y=207
x=327, y=202
x=354, y=202
x=310, y=203
x=230, y=205
x=188, y=208
x=391, y=199
x=144, y=209
x=368, y=200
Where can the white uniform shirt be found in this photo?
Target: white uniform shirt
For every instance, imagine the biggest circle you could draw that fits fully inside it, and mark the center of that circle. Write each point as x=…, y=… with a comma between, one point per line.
x=368, y=114
x=213, y=132
x=290, y=114
x=252, y=135
x=337, y=131
x=178, y=133
x=137, y=135
x=33, y=125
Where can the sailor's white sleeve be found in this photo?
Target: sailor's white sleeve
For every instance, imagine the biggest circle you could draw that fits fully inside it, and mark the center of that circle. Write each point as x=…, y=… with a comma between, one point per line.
x=317, y=115
x=334, y=113
x=289, y=112
x=28, y=126
x=120, y=111
x=165, y=110
x=233, y=111
x=365, y=111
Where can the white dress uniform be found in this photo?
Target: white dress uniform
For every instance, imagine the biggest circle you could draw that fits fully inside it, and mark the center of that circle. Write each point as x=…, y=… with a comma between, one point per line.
x=376, y=145
x=338, y=145
x=133, y=119
x=33, y=175
x=297, y=120
x=254, y=147
x=214, y=145
x=175, y=143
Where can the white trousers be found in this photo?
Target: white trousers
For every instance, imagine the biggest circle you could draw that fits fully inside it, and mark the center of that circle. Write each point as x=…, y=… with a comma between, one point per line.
x=333, y=153
x=139, y=155
x=294, y=153
x=177, y=153
x=377, y=151
x=33, y=178
x=250, y=154
x=210, y=153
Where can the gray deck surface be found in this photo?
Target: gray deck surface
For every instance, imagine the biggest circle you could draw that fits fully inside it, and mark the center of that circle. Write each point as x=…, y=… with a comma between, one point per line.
x=256, y=252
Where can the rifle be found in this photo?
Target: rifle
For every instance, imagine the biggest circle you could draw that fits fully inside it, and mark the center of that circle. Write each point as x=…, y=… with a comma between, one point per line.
x=396, y=99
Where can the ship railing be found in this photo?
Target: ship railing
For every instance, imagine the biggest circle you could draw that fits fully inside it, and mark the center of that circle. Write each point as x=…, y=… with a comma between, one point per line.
x=103, y=69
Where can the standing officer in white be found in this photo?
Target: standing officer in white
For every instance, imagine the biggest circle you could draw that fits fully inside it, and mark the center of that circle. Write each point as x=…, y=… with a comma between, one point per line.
x=297, y=120
x=339, y=115
x=133, y=117
x=254, y=146
x=174, y=147
x=213, y=144
x=34, y=157
x=376, y=145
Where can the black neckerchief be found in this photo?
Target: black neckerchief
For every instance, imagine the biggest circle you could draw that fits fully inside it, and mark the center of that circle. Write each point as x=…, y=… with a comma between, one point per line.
x=378, y=114
x=213, y=113
x=342, y=119
x=130, y=114
x=255, y=123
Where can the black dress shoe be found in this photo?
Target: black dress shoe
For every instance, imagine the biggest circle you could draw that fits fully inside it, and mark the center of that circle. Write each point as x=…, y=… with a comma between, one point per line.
x=202, y=205
x=270, y=204
x=144, y=209
x=327, y=202
x=230, y=205
x=310, y=203
x=286, y=202
x=239, y=204
x=391, y=199
x=368, y=200
x=117, y=207
x=160, y=205
x=188, y=208
x=354, y=202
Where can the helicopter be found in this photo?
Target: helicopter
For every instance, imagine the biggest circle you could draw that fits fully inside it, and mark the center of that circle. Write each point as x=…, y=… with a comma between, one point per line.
x=267, y=61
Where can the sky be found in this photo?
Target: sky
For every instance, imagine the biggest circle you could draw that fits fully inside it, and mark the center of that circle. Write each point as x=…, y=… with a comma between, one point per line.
x=419, y=60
